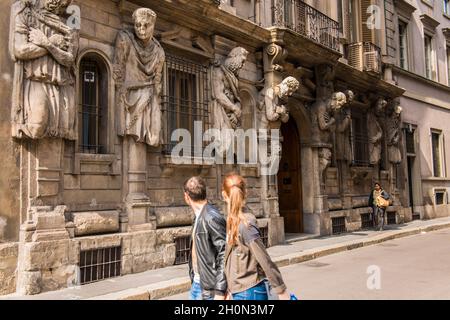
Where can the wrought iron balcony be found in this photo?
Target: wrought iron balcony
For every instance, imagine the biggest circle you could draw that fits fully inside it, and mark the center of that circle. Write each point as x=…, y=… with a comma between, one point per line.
x=307, y=21
x=364, y=56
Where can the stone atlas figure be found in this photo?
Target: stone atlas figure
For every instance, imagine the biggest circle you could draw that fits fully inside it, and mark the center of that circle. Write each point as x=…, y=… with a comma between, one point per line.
x=273, y=102
x=138, y=66
x=344, y=122
x=393, y=132
x=375, y=130
x=44, y=50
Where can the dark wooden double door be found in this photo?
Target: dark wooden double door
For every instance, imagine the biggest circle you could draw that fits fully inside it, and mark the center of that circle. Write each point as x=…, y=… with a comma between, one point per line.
x=289, y=180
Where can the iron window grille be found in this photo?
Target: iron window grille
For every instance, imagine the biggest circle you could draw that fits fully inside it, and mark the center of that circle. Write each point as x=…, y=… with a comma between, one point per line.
x=338, y=225
x=410, y=143
x=182, y=249
x=360, y=139
x=366, y=221
x=265, y=235
x=185, y=97
x=92, y=107
x=100, y=264
x=416, y=216
x=391, y=218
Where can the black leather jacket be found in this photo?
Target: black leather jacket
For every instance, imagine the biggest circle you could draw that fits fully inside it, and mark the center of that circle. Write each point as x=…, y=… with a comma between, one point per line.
x=210, y=244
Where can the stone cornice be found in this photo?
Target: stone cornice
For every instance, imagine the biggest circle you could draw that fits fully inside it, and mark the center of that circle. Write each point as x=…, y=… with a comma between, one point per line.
x=429, y=22
x=207, y=18
x=405, y=7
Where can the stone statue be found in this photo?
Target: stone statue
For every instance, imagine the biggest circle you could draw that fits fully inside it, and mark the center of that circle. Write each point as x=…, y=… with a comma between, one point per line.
x=44, y=50
x=273, y=102
x=393, y=132
x=227, y=110
x=344, y=122
x=323, y=116
x=138, y=65
x=375, y=131
x=325, y=156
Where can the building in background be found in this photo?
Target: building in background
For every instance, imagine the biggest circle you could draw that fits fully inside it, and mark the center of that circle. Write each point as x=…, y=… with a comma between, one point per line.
x=80, y=209
x=418, y=43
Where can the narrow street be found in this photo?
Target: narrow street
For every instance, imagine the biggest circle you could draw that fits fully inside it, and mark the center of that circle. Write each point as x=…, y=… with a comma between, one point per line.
x=416, y=267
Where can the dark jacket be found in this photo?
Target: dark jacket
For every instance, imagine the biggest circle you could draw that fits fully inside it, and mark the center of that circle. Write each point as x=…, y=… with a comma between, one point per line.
x=384, y=195
x=248, y=263
x=210, y=242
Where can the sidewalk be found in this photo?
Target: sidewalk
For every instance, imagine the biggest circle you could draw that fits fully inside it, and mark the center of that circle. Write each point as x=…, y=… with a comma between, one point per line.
x=160, y=283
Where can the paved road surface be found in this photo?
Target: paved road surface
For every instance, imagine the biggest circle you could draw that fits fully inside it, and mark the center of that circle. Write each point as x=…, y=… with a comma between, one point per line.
x=416, y=267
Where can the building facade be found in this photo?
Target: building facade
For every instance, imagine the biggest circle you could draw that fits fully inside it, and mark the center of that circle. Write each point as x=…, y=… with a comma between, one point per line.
x=419, y=49
x=89, y=189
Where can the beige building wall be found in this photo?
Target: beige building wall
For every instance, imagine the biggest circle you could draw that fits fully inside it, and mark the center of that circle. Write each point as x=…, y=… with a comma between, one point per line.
x=426, y=101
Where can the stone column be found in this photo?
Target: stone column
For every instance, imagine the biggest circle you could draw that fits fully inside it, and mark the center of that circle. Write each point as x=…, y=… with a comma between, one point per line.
x=137, y=200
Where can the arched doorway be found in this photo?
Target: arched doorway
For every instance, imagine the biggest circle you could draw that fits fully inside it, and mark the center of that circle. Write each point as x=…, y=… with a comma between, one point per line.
x=289, y=180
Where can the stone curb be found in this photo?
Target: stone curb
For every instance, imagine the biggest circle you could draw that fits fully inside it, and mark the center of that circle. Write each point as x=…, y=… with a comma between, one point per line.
x=181, y=285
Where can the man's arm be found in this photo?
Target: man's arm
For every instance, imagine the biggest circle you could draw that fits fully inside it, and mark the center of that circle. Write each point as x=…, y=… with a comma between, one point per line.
x=23, y=49
x=217, y=230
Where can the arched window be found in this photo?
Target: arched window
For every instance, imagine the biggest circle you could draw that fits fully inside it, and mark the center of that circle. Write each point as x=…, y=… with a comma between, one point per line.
x=93, y=105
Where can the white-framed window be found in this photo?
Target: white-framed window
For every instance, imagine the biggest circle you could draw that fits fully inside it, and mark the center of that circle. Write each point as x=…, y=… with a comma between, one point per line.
x=430, y=70
x=437, y=151
x=448, y=64
x=403, y=44
x=447, y=7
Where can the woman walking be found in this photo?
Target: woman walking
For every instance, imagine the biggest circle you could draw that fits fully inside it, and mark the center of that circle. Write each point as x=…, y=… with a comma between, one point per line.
x=248, y=266
x=379, y=201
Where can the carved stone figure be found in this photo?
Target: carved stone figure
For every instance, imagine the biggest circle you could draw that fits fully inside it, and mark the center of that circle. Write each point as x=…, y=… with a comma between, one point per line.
x=273, y=102
x=375, y=131
x=325, y=156
x=393, y=124
x=344, y=122
x=44, y=50
x=227, y=109
x=323, y=116
x=138, y=65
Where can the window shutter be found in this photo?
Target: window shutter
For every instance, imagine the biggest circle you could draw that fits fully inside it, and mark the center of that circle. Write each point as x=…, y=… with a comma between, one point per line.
x=368, y=35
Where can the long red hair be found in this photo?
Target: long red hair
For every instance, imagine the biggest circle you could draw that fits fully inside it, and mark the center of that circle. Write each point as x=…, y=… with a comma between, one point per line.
x=235, y=188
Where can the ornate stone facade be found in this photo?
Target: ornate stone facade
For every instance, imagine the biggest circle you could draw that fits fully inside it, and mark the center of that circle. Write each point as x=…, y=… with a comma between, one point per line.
x=89, y=162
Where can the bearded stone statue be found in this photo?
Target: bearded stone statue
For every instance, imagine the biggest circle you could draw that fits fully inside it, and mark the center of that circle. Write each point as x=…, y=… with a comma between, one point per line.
x=227, y=111
x=273, y=102
x=44, y=50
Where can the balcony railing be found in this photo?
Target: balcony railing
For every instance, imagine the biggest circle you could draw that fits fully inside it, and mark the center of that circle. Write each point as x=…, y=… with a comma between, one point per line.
x=364, y=56
x=307, y=21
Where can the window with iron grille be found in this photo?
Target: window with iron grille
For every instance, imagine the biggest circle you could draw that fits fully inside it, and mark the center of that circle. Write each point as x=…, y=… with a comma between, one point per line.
x=366, y=221
x=93, y=105
x=265, y=235
x=437, y=153
x=416, y=216
x=360, y=139
x=185, y=97
x=338, y=225
x=391, y=218
x=182, y=250
x=410, y=143
x=100, y=264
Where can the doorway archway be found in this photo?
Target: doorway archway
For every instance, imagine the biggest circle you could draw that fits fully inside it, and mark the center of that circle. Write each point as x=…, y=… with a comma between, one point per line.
x=290, y=196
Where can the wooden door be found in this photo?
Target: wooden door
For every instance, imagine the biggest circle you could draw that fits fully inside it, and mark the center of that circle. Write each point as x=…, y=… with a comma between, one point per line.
x=289, y=180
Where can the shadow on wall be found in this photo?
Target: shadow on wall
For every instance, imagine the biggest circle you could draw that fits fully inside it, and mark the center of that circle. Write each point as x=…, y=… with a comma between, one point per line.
x=2, y=228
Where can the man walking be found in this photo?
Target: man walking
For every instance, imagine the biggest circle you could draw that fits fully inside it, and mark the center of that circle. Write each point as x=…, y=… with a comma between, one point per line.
x=206, y=259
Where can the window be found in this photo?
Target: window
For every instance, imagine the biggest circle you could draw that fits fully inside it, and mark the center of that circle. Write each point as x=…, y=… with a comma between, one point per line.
x=440, y=196
x=403, y=44
x=93, y=105
x=428, y=57
x=185, y=97
x=448, y=65
x=360, y=139
x=447, y=7
x=437, y=153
